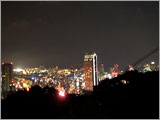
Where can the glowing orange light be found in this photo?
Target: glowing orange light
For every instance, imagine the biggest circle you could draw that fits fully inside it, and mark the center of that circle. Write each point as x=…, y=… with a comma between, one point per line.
x=11, y=63
x=61, y=93
x=27, y=89
x=2, y=63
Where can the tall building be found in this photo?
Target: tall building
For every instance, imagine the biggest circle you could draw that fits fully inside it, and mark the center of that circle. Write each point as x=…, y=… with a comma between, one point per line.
x=101, y=72
x=7, y=75
x=90, y=71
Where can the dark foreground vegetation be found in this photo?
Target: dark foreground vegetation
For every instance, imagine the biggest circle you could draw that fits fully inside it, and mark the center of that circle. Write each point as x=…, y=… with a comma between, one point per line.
x=112, y=99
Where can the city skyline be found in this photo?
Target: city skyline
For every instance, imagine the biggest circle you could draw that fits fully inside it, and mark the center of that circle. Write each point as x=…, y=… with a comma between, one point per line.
x=60, y=33
x=80, y=59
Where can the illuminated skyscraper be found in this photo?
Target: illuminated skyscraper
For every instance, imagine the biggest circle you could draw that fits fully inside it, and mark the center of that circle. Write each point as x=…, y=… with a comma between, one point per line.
x=7, y=75
x=90, y=71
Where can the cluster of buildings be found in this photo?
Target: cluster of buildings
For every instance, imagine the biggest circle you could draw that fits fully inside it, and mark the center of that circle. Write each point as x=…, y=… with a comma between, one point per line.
x=70, y=80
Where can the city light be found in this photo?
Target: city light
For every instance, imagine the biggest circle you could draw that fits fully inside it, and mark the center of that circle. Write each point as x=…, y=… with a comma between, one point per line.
x=124, y=82
x=152, y=62
x=109, y=76
x=18, y=70
x=27, y=89
x=61, y=93
x=66, y=80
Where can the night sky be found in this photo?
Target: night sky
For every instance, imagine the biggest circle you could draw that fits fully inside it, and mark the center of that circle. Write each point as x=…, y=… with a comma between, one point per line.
x=60, y=33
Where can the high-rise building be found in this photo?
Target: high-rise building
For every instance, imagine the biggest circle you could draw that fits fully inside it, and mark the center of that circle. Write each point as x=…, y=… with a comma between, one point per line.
x=101, y=72
x=90, y=71
x=7, y=75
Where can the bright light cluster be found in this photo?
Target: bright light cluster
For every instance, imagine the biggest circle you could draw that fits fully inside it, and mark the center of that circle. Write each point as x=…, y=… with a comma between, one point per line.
x=18, y=70
x=61, y=93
